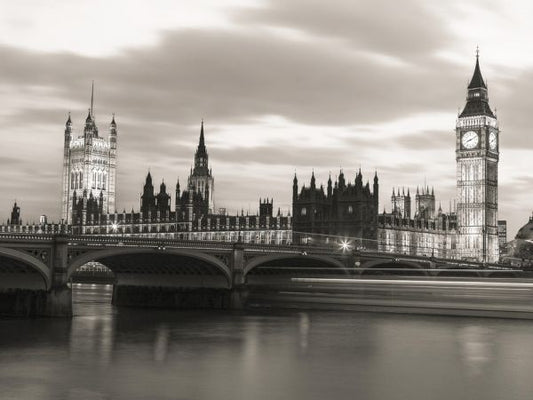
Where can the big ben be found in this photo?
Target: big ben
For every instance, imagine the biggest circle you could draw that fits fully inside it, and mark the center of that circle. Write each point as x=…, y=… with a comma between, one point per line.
x=477, y=155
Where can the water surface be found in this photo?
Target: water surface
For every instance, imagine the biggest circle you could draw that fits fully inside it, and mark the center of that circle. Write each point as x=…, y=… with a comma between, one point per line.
x=104, y=353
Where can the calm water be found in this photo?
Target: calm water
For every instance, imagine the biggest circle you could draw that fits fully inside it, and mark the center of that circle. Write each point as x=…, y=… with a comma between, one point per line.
x=103, y=353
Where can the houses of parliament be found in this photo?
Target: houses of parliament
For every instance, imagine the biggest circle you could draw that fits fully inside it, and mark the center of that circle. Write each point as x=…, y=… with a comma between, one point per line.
x=344, y=208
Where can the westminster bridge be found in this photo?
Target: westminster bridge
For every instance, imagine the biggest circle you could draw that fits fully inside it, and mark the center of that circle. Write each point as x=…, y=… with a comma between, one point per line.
x=36, y=270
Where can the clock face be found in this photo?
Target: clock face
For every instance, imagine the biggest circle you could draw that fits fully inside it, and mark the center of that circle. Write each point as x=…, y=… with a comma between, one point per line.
x=470, y=140
x=493, y=141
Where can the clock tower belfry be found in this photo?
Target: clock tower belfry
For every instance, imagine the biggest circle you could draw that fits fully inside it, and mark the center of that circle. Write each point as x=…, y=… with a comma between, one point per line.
x=477, y=154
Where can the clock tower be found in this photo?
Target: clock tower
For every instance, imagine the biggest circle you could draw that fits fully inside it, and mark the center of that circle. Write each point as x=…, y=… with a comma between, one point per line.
x=477, y=154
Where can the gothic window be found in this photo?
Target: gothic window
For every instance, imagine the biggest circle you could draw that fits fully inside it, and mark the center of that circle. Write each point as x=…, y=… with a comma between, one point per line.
x=303, y=211
x=72, y=180
x=81, y=180
x=104, y=181
x=350, y=210
x=94, y=179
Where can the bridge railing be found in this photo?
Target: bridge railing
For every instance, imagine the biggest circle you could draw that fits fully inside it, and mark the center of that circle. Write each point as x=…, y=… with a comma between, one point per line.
x=26, y=236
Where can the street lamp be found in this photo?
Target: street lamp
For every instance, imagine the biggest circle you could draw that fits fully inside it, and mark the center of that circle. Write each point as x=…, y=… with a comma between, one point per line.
x=345, y=245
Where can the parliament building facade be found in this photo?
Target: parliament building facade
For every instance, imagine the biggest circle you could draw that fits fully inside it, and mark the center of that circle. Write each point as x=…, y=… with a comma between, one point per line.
x=343, y=210
x=192, y=216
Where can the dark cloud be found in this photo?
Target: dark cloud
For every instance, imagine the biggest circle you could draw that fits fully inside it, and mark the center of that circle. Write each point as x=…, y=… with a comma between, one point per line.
x=228, y=75
x=400, y=29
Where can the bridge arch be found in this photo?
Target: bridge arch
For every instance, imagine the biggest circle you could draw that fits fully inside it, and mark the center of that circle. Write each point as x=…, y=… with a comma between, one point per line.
x=257, y=261
x=30, y=261
x=99, y=255
x=400, y=265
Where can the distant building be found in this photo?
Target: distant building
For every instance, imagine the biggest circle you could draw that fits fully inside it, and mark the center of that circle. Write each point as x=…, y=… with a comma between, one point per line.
x=429, y=233
x=14, y=225
x=520, y=250
x=89, y=169
x=502, y=236
x=343, y=209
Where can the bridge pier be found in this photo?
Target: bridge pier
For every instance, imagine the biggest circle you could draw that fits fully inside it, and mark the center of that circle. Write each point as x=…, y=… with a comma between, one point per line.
x=59, y=297
x=239, y=291
x=58, y=302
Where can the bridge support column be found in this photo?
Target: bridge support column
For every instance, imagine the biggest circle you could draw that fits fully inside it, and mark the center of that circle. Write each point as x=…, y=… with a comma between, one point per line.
x=239, y=291
x=59, y=297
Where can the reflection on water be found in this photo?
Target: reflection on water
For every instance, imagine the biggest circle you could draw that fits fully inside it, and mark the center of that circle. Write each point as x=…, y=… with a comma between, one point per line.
x=476, y=344
x=104, y=353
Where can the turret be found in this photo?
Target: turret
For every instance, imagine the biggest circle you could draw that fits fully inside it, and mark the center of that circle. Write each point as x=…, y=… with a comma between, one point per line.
x=200, y=176
x=15, y=215
x=342, y=182
x=359, y=179
x=330, y=187
x=113, y=134
x=178, y=195
x=163, y=201
x=375, y=189
x=265, y=208
x=294, y=188
x=68, y=126
x=65, y=202
x=201, y=156
x=147, y=198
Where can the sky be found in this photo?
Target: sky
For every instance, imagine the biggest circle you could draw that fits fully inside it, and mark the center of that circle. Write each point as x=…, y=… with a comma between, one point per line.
x=283, y=86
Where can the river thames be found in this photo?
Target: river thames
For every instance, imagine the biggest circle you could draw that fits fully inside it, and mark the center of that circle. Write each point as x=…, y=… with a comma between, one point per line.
x=105, y=353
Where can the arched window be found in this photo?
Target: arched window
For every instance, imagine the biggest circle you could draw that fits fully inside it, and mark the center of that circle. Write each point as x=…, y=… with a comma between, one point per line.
x=72, y=180
x=104, y=181
x=76, y=176
x=81, y=180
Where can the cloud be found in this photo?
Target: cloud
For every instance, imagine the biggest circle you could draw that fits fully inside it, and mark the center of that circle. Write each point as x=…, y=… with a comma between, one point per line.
x=283, y=85
x=398, y=30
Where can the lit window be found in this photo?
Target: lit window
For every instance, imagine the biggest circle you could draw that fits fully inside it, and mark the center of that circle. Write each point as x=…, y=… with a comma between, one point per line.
x=303, y=211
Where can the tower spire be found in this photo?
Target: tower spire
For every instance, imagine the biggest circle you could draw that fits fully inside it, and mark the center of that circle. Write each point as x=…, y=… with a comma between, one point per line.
x=202, y=139
x=477, y=79
x=92, y=100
